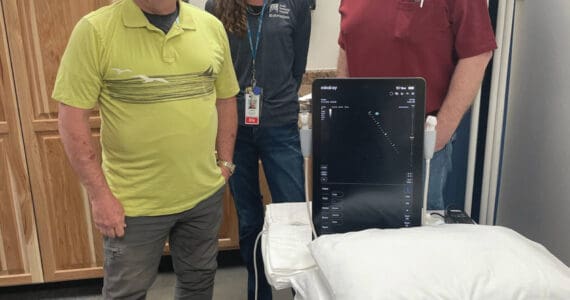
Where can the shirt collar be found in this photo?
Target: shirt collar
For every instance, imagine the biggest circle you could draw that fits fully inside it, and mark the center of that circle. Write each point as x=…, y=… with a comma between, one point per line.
x=133, y=16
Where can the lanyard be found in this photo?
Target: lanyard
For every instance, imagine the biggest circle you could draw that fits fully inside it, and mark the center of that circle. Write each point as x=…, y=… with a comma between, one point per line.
x=258, y=38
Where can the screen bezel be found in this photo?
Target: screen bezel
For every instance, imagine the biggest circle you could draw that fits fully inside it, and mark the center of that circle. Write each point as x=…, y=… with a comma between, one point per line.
x=418, y=127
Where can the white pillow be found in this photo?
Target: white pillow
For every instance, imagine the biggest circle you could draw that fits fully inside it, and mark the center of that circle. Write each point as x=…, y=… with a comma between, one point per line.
x=442, y=262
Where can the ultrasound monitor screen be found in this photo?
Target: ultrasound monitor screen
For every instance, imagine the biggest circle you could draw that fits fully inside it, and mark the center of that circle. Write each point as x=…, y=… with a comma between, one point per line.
x=368, y=148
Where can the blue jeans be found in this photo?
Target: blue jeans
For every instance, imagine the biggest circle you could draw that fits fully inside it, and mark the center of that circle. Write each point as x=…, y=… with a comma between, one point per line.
x=440, y=166
x=279, y=149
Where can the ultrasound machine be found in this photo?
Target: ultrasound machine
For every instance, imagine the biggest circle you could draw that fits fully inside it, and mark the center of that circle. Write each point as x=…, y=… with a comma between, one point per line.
x=360, y=236
x=367, y=148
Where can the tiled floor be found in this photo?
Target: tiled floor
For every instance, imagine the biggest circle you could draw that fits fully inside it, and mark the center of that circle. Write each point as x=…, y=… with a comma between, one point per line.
x=230, y=285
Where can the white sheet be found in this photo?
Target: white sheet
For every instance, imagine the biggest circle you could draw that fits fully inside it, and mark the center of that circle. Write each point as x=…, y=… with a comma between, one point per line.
x=286, y=255
x=310, y=285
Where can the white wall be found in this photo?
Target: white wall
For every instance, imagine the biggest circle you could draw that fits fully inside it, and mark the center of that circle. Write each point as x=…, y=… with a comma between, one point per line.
x=323, y=51
x=199, y=3
x=534, y=196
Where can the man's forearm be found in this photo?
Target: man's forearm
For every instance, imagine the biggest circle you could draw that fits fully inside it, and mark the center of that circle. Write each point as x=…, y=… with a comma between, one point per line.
x=463, y=88
x=227, y=128
x=76, y=137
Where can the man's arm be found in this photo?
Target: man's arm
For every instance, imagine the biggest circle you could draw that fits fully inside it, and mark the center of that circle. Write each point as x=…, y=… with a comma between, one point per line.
x=227, y=130
x=342, y=66
x=465, y=84
x=108, y=213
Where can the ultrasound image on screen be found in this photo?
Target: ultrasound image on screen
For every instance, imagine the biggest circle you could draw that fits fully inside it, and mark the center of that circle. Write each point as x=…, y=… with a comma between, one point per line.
x=367, y=153
x=369, y=141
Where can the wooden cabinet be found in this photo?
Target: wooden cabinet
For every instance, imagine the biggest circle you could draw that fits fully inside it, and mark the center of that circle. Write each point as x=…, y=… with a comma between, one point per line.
x=228, y=236
x=37, y=33
x=19, y=251
x=48, y=210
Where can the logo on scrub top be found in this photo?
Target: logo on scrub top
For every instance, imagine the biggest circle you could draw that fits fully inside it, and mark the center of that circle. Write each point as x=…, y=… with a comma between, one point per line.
x=274, y=8
x=278, y=10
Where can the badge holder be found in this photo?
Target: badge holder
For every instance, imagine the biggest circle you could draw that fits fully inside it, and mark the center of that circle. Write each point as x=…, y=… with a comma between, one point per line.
x=253, y=100
x=254, y=94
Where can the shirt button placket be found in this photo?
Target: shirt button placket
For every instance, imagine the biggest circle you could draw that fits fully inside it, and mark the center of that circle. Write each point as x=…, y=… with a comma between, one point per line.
x=168, y=54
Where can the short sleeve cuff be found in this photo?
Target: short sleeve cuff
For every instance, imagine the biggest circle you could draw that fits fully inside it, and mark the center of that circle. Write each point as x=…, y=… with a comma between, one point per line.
x=74, y=102
x=480, y=49
x=227, y=93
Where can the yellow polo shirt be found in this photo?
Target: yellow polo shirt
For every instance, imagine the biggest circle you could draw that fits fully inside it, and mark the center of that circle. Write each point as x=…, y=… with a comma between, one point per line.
x=157, y=96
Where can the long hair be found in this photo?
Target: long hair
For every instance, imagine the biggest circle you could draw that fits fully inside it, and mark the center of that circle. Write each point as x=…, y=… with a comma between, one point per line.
x=233, y=15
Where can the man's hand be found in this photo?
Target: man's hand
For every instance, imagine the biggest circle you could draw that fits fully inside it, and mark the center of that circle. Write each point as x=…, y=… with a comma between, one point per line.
x=226, y=173
x=108, y=215
x=445, y=130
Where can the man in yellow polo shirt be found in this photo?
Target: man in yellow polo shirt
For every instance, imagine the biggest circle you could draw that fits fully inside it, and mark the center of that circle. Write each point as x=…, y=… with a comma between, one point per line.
x=161, y=74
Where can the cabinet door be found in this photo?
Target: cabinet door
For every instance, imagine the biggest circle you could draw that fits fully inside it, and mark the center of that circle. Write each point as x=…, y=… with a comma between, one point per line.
x=19, y=252
x=228, y=236
x=38, y=32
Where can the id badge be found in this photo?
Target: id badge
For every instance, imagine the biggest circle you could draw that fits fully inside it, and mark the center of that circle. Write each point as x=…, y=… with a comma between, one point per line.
x=252, y=105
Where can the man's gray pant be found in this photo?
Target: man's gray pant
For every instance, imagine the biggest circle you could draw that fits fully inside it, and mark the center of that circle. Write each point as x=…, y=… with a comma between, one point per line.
x=131, y=262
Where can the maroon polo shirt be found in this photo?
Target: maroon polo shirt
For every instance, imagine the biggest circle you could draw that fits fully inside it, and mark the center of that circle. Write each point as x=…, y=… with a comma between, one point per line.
x=398, y=38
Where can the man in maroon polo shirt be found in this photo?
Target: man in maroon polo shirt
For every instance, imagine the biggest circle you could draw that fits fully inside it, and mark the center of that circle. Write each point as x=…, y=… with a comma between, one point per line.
x=447, y=42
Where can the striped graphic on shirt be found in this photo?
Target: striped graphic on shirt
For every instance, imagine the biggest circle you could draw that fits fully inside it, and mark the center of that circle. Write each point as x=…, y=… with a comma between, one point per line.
x=152, y=89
